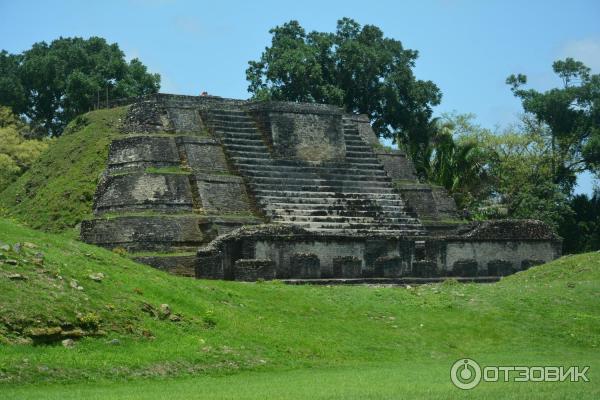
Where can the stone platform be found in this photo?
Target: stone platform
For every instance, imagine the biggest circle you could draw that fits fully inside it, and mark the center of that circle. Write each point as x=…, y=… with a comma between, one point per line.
x=195, y=174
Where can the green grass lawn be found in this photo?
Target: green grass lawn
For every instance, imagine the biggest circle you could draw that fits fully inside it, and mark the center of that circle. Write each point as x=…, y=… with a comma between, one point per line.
x=269, y=340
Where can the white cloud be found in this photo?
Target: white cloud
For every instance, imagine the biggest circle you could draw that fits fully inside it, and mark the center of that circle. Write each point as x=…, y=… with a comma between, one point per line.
x=586, y=50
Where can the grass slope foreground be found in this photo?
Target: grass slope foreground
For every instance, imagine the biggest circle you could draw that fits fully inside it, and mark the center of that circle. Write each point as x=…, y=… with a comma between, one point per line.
x=56, y=193
x=131, y=322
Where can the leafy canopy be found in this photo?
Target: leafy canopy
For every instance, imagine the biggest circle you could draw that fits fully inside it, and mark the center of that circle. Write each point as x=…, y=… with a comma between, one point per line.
x=356, y=68
x=572, y=114
x=50, y=84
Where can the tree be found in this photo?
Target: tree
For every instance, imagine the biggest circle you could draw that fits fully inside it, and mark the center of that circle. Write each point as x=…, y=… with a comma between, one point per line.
x=356, y=68
x=518, y=170
x=581, y=231
x=457, y=161
x=572, y=114
x=50, y=84
x=16, y=152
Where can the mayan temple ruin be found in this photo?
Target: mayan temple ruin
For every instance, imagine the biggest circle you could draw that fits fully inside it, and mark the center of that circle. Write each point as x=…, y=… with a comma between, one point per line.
x=231, y=189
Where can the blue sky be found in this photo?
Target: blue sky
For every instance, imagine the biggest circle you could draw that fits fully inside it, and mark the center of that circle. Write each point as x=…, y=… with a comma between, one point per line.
x=467, y=48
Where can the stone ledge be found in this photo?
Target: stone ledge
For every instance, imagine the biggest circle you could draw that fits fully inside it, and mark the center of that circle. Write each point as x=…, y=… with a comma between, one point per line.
x=218, y=178
x=295, y=108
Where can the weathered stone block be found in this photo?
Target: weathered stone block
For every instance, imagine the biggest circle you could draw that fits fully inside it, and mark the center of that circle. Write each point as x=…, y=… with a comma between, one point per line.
x=165, y=192
x=389, y=267
x=185, y=119
x=222, y=193
x=254, y=269
x=305, y=266
x=308, y=132
x=419, y=198
x=142, y=151
x=500, y=268
x=445, y=204
x=209, y=266
x=465, y=268
x=424, y=269
x=526, y=264
x=397, y=165
x=347, y=267
x=203, y=154
x=158, y=233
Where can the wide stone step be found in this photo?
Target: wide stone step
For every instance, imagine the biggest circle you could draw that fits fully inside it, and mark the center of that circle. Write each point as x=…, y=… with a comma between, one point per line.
x=294, y=163
x=360, y=154
x=248, y=147
x=352, y=218
x=334, y=219
x=230, y=129
x=385, y=206
x=358, y=148
x=239, y=136
x=362, y=160
x=357, y=143
x=331, y=170
x=374, y=212
x=348, y=196
x=228, y=116
x=259, y=187
x=231, y=125
x=246, y=141
x=316, y=181
x=340, y=175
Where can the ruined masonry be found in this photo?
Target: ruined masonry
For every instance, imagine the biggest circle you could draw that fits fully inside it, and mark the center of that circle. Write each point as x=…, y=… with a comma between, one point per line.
x=229, y=189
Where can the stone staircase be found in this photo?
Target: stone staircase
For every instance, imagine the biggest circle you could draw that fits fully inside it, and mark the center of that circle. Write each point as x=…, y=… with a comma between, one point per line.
x=355, y=196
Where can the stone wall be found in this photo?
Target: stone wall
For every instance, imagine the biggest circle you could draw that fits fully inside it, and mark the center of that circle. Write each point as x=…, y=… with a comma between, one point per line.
x=512, y=256
x=302, y=131
x=222, y=194
x=203, y=154
x=142, y=191
x=420, y=200
x=146, y=233
x=296, y=253
x=397, y=165
x=140, y=152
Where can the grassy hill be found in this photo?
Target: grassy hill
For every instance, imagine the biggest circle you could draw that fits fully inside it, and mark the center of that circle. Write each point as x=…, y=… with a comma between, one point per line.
x=56, y=193
x=51, y=289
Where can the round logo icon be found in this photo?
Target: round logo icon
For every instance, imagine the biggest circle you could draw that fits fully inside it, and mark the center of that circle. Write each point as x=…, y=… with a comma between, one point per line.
x=465, y=374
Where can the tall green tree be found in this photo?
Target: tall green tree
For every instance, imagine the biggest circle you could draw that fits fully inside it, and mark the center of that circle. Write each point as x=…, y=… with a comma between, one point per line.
x=518, y=167
x=355, y=67
x=581, y=230
x=572, y=114
x=458, y=162
x=50, y=84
